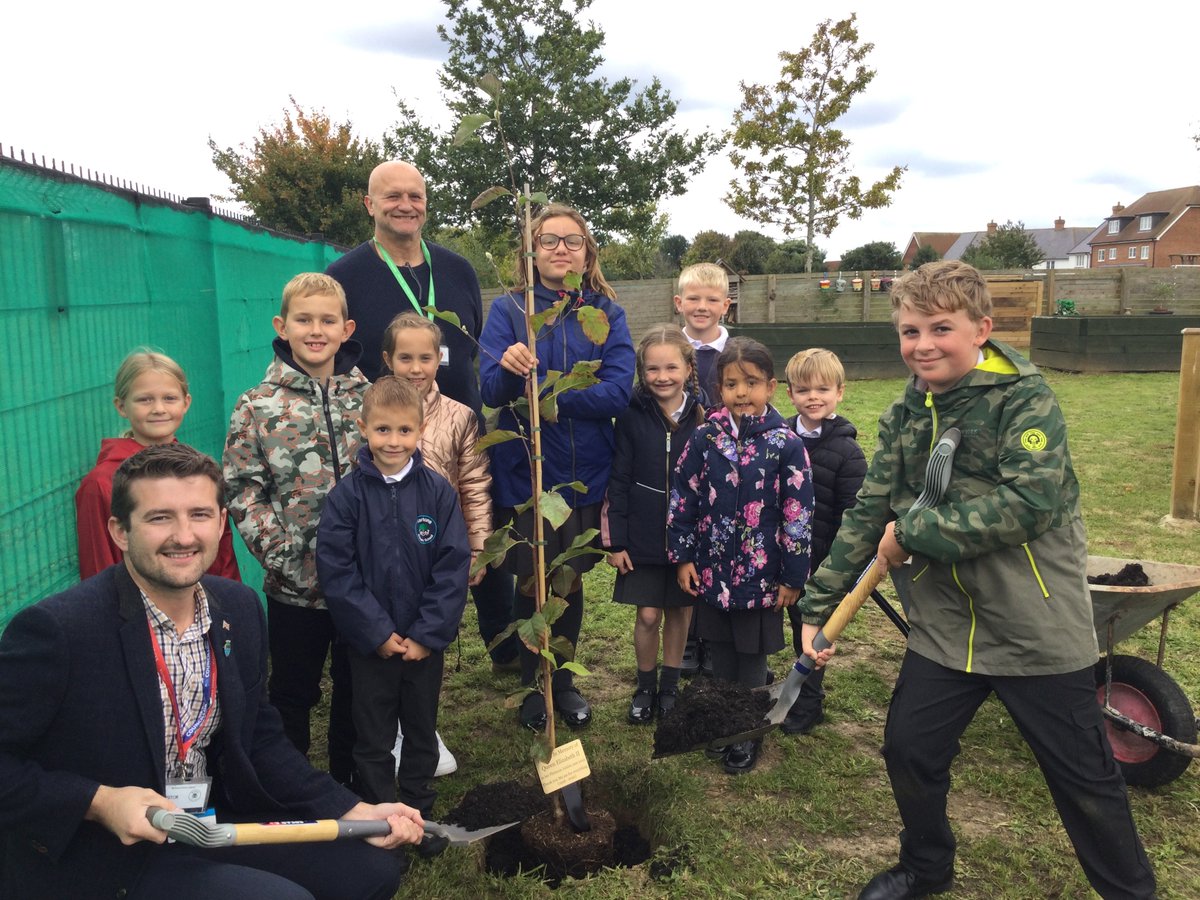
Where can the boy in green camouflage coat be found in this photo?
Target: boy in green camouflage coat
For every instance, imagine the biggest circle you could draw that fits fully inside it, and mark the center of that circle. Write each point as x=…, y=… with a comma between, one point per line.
x=998, y=597
x=290, y=440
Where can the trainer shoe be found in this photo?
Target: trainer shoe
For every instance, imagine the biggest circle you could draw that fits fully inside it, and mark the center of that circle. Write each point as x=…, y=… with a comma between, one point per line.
x=446, y=763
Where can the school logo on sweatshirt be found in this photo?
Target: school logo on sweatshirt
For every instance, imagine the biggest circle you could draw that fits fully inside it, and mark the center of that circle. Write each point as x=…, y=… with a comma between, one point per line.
x=426, y=529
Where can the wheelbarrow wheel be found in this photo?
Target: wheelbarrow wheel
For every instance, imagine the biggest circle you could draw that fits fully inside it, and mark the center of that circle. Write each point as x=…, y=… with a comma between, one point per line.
x=1149, y=696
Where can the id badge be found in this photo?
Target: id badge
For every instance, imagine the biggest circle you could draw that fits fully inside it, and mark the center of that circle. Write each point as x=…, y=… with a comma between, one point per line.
x=190, y=795
x=445, y=355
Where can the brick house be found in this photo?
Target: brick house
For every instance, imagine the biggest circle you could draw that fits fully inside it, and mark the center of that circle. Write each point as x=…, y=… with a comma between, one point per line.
x=1160, y=229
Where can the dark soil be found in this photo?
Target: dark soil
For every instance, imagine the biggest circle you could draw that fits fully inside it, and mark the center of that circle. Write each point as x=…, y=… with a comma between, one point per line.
x=1131, y=575
x=709, y=709
x=497, y=803
x=567, y=852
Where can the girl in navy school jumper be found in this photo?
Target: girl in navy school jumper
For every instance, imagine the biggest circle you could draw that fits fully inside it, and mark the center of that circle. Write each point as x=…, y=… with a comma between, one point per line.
x=578, y=446
x=651, y=434
x=740, y=524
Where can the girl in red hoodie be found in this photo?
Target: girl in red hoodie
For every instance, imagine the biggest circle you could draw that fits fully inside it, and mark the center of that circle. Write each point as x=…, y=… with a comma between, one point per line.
x=151, y=391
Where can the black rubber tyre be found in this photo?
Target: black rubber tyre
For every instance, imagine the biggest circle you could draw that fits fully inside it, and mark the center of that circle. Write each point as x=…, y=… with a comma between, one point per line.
x=1148, y=695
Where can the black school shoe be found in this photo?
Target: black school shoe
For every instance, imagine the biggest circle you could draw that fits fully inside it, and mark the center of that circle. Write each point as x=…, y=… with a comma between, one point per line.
x=641, y=710
x=533, y=711
x=666, y=701
x=741, y=757
x=898, y=883
x=718, y=754
x=801, y=722
x=569, y=704
x=691, y=659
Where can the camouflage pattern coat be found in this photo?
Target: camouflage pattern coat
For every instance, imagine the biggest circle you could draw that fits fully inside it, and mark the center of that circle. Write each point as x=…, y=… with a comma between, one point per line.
x=997, y=579
x=290, y=440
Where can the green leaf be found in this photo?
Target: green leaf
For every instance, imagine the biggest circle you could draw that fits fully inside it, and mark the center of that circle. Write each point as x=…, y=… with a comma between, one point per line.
x=563, y=647
x=548, y=408
x=594, y=323
x=548, y=315
x=540, y=749
x=539, y=197
x=577, y=668
x=563, y=580
x=513, y=700
x=468, y=126
x=549, y=657
x=531, y=630
x=490, y=85
x=520, y=407
x=445, y=315
x=577, y=486
x=579, y=547
x=492, y=193
x=554, y=509
x=495, y=548
x=492, y=438
x=573, y=281
x=553, y=608
x=502, y=636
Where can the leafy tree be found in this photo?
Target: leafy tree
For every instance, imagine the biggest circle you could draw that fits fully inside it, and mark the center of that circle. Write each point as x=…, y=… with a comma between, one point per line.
x=304, y=176
x=476, y=246
x=1010, y=246
x=638, y=257
x=792, y=256
x=925, y=253
x=794, y=160
x=750, y=252
x=601, y=146
x=873, y=257
x=708, y=246
x=673, y=247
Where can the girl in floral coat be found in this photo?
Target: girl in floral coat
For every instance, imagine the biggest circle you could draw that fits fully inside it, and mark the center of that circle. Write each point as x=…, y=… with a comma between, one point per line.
x=739, y=525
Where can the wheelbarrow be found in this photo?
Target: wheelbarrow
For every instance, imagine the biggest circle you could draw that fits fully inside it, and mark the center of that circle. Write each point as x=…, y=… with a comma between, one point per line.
x=1151, y=725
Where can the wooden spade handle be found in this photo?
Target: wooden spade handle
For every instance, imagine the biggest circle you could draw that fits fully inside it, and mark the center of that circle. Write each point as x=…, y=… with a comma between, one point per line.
x=308, y=832
x=850, y=605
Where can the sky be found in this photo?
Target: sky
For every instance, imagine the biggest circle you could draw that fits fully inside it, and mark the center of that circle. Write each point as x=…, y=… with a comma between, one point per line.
x=1022, y=111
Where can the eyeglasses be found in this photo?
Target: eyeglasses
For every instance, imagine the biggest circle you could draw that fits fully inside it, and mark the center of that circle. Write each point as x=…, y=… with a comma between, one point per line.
x=550, y=241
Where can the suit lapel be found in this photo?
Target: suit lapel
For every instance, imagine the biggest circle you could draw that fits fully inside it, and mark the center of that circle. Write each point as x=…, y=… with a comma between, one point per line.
x=229, y=680
x=140, y=667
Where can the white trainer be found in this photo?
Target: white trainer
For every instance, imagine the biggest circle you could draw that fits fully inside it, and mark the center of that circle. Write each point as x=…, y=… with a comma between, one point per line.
x=446, y=761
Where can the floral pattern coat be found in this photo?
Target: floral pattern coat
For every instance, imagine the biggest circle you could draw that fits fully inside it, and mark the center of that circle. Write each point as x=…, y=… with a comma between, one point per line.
x=741, y=510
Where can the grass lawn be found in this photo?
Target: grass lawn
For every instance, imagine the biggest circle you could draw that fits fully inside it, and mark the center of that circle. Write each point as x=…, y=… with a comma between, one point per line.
x=816, y=818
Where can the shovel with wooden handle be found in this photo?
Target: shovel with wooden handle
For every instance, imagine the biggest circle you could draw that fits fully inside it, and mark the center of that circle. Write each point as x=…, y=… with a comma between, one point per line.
x=937, y=477
x=196, y=832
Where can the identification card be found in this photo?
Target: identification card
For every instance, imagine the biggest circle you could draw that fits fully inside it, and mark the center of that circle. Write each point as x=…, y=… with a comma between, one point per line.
x=192, y=795
x=445, y=352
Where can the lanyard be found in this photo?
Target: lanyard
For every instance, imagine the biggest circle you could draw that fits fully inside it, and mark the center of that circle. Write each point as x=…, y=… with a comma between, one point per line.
x=383, y=254
x=185, y=737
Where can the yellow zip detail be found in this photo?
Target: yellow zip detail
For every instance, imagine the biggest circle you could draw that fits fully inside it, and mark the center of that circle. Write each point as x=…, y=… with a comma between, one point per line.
x=933, y=432
x=971, y=607
x=919, y=574
x=1036, y=573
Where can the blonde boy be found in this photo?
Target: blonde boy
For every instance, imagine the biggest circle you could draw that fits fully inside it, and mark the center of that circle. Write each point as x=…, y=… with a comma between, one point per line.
x=290, y=439
x=702, y=300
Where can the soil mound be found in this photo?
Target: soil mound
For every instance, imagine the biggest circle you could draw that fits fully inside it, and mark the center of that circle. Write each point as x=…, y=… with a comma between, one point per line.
x=498, y=803
x=708, y=709
x=1131, y=575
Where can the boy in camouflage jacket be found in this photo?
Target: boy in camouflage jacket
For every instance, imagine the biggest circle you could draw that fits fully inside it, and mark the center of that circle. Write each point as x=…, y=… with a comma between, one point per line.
x=998, y=602
x=290, y=440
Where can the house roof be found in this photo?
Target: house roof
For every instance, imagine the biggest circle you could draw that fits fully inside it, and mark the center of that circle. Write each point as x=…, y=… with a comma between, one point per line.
x=941, y=241
x=1085, y=246
x=1055, y=243
x=1164, y=206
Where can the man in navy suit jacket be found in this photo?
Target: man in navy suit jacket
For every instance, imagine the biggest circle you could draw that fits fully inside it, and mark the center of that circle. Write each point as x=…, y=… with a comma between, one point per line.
x=88, y=723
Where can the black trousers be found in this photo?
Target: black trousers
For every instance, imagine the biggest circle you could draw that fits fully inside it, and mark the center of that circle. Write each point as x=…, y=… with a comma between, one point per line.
x=299, y=639
x=387, y=690
x=338, y=870
x=1059, y=718
x=494, y=608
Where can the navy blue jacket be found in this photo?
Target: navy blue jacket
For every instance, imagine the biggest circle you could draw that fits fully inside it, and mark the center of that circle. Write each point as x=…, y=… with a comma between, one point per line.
x=579, y=446
x=838, y=468
x=80, y=707
x=393, y=557
x=648, y=447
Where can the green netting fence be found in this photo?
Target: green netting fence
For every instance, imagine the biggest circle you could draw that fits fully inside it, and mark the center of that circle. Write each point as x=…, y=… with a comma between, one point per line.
x=87, y=273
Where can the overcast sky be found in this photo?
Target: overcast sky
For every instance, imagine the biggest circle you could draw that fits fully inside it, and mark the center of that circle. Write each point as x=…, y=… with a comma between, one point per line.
x=1019, y=110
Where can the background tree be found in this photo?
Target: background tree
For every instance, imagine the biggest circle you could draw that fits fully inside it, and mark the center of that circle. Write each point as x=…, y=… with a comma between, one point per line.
x=1010, y=246
x=306, y=175
x=638, y=257
x=598, y=145
x=750, y=252
x=794, y=161
x=925, y=253
x=708, y=246
x=874, y=257
x=672, y=248
x=792, y=256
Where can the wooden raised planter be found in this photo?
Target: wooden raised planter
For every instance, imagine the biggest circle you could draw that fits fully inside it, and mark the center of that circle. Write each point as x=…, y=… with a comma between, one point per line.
x=1145, y=343
x=866, y=349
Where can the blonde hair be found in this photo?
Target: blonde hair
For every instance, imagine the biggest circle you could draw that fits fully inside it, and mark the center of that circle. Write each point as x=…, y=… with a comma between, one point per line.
x=394, y=393
x=673, y=336
x=310, y=284
x=407, y=320
x=593, y=278
x=704, y=275
x=137, y=364
x=816, y=366
x=945, y=285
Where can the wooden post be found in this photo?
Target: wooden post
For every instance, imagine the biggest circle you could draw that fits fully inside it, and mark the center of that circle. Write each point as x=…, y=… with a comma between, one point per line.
x=866, y=296
x=1123, y=285
x=1185, y=475
x=771, y=299
x=1051, y=298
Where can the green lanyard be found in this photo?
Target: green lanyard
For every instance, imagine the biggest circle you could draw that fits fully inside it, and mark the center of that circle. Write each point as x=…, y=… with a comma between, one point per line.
x=383, y=254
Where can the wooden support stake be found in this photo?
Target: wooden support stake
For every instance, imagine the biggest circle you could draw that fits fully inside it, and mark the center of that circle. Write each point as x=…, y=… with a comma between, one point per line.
x=1185, y=475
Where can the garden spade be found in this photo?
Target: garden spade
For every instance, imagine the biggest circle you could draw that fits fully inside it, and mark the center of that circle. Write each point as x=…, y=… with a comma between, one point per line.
x=196, y=832
x=937, y=477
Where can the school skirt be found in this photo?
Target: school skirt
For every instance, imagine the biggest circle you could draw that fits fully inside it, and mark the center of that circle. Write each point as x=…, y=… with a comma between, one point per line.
x=749, y=630
x=650, y=585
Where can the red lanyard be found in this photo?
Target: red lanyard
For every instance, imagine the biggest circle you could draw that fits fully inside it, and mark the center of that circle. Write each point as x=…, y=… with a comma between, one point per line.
x=185, y=737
